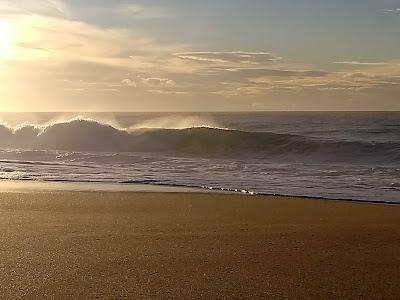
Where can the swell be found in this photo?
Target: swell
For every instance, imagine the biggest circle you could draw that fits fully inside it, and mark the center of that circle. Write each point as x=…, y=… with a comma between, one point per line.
x=92, y=136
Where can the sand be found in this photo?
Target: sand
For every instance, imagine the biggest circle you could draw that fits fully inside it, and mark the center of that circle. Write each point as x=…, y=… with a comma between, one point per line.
x=87, y=245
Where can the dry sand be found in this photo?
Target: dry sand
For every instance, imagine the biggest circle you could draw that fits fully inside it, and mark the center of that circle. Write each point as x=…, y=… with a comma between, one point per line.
x=83, y=245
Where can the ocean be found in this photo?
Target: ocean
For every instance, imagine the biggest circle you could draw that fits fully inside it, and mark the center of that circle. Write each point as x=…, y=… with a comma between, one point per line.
x=334, y=155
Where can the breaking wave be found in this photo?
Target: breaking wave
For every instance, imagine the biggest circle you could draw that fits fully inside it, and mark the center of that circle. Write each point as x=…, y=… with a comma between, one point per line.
x=91, y=136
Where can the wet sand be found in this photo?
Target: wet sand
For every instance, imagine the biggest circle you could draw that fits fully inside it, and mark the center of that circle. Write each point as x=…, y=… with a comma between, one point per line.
x=87, y=245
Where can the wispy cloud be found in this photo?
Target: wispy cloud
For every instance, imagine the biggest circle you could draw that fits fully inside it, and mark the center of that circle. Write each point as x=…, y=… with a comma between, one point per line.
x=42, y=7
x=258, y=82
x=359, y=63
x=158, y=82
x=49, y=40
x=140, y=12
x=391, y=11
x=128, y=82
x=257, y=72
x=242, y=57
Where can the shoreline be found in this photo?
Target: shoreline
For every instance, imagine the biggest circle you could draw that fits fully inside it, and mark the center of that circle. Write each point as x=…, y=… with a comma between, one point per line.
x=32, y=186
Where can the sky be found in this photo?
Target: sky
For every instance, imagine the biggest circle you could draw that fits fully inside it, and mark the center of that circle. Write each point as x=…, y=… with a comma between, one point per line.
x=210, y=55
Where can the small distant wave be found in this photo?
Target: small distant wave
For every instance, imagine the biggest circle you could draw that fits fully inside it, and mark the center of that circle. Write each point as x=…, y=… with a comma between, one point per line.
x=87, y=135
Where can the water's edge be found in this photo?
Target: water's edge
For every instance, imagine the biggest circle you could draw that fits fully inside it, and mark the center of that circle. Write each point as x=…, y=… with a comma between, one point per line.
x=32, y=186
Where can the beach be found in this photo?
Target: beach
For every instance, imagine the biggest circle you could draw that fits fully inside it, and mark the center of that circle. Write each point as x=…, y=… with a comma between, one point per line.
x=154, y=245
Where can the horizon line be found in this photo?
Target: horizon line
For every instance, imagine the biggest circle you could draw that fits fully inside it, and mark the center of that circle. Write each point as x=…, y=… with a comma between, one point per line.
x=216, y=111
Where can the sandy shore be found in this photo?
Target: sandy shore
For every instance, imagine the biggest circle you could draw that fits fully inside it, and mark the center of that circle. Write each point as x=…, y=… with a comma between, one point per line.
x=185, y=245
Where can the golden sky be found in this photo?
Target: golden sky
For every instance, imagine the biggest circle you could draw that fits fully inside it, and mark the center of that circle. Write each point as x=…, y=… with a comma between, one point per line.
x=185, y=56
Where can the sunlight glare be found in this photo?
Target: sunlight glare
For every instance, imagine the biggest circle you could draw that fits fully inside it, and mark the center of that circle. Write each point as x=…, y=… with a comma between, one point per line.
x=6, y=39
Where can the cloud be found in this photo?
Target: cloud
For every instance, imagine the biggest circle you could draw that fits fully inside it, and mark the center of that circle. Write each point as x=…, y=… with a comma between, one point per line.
x=40, y=7
x=51, y=40
x=139, y=12
x=167, y=92
x=258, y=72
x=158, y=82
x=396, y=10
x=373, y=77
x=70, y=56
x=129, y=82
x=358, y=63
x=235, y=57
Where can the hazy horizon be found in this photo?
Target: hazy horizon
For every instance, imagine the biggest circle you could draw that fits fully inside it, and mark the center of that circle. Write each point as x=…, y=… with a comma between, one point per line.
x=194, y=112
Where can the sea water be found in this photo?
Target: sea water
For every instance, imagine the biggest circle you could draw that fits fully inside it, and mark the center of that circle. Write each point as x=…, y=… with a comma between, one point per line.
x=336, y=155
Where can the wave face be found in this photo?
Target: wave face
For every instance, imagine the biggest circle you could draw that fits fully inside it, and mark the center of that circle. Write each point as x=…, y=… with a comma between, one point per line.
x=93, y=136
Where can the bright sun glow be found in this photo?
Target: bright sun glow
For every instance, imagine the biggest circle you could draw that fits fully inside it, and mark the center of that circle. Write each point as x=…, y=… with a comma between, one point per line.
x=6, y=39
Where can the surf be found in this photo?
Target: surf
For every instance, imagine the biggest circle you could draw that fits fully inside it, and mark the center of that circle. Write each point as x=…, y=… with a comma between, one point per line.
x=90, y=135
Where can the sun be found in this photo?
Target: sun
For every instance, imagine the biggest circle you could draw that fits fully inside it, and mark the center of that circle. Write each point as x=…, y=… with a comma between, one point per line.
x=6, y=39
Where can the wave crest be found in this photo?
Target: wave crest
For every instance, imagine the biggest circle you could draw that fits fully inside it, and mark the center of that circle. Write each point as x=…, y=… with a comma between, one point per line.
x=90, y=135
